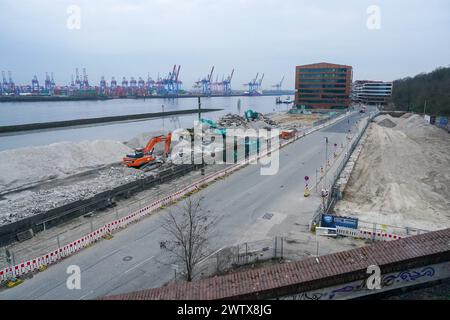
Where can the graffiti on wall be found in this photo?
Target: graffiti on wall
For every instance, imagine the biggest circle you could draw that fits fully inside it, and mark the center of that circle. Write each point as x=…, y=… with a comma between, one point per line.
x=388, y=282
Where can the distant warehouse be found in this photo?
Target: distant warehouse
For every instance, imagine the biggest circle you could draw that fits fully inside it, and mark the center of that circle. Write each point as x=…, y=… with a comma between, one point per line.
x=372, y=92
x=323, y=86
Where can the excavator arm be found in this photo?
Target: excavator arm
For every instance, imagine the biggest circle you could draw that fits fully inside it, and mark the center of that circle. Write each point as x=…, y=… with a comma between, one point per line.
x=144, y=157
x=151, y=144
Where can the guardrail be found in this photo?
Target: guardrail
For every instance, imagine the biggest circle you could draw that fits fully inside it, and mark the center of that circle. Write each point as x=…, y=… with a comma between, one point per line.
x=41, y=262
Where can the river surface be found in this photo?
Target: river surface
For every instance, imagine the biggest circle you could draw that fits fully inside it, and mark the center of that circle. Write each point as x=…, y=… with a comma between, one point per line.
x=12, y=113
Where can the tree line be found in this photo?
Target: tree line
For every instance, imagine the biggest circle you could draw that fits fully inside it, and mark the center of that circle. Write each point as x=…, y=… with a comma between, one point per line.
x=430, y=90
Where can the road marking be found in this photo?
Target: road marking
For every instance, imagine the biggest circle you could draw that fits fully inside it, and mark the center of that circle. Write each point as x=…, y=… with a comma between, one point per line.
x=139, y=264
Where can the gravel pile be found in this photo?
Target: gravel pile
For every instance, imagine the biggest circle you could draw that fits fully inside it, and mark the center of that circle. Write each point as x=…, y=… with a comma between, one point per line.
x=20, y=205
x=27, y=167
x=387, y=123
x=232, y=120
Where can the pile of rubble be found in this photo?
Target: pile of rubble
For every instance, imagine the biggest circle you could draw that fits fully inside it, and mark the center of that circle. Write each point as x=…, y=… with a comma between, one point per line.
x=232, y=120
x=16, y=206
x=26, y=167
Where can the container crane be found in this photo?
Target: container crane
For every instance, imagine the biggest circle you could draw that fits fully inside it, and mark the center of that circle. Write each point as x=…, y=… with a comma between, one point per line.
x=12, y=86
x=258, y=86
x=253, y=85
x=205, y=83
x=103, y=85
x=113, y=83
x=150, y=84
x=35, y=85
x=226, y=84
x=177, y=81
x=48, y=82
x=279, y=84
x=52, y=81
x=5, y=84
x=77, y=79
x=85, y=79
x=173, y=84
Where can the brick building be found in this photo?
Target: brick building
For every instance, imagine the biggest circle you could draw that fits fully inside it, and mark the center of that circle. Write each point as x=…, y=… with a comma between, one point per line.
x=323, y=86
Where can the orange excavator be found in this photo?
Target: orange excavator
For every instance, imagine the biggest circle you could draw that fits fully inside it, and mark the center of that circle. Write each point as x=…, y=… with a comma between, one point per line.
x=143, y=157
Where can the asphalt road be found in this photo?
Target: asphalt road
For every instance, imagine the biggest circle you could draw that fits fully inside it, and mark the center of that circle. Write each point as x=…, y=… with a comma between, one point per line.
x=133, y=260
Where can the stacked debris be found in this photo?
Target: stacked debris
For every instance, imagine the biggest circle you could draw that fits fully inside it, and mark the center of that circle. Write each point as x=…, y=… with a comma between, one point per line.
x=268, y=120
x=16, y=206
x=232, y=120
x=25, y=167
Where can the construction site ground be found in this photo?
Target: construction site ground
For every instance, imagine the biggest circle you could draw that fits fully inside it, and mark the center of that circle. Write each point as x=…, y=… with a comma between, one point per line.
x=240, y=201
x=91, y=168
x=46, y=177
x=402, y=176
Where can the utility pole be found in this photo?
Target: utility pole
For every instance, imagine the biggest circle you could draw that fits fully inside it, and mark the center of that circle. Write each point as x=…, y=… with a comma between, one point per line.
x=425, y=107
x=326, y=160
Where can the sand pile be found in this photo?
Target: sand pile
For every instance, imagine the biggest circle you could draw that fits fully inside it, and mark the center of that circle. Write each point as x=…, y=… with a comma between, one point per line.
x=29, y=166
x=402, y=177
x=386, y=121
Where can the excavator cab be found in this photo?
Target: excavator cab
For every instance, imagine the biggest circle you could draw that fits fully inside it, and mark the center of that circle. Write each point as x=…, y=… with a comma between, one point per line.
x=138, y=153
x=143, y=157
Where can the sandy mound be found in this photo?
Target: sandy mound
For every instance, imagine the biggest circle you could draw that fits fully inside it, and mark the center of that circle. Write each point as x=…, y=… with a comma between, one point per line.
x=406, y=115
x=402, y=177
x=28, y=166
x=387, y=123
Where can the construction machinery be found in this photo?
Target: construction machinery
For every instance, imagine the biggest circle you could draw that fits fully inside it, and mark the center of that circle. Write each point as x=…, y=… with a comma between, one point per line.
x=213, y=125
x=251, y=115
x=143, y=157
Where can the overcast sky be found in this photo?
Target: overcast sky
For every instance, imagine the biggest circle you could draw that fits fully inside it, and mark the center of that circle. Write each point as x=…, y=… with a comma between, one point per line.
x=131, y=38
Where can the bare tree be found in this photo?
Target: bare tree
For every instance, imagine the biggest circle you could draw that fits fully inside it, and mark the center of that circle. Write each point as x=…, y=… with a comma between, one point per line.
x=188, y=229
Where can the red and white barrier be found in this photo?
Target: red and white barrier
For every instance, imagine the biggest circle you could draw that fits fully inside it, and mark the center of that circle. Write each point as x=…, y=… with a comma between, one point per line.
x=365, y=234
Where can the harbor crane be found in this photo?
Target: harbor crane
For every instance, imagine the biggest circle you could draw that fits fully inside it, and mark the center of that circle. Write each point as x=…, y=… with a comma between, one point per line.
x=254, y=86
x=226, y=84
x=85, y=83
x=279, y=84
x=205, y=83
x=173, y=84
x=35, y=84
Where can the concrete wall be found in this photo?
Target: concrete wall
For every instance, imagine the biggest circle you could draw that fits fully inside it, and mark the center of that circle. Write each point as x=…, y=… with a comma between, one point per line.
x=390, y=281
